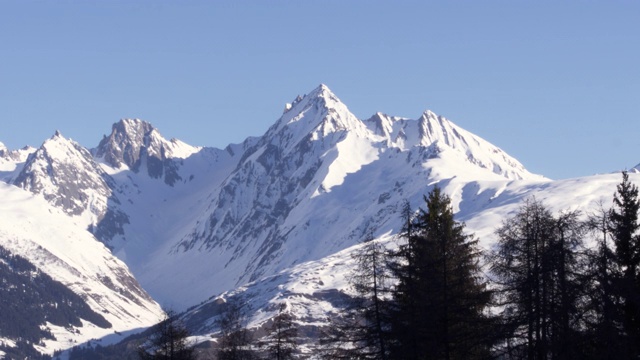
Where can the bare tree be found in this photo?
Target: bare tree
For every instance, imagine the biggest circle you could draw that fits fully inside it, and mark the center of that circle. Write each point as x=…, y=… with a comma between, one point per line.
x=235, y=339
x=536, y=264
x=168, y=341
x=281, y=339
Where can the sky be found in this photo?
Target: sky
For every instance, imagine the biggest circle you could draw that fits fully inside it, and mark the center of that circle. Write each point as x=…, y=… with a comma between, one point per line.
x=556, y=84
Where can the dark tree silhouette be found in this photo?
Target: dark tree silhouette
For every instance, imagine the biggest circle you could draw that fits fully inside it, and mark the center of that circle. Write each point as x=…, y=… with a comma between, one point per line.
x=537, y=269
x=282, y=333
x=602, y=315
x=362, y=330
x=168, y=341
x=235, y=340
x=623, y=226
x=441, y=298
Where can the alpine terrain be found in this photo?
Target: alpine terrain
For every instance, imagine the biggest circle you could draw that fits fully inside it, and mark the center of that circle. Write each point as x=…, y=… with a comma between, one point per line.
x=140, y=220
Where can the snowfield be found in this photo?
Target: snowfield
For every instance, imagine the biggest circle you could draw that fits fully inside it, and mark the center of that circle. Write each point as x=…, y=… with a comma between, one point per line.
x=273, y=219
x=56, y=245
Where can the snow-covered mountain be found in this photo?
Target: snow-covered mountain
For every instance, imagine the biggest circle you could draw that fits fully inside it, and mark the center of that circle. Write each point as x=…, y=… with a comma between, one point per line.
x=277, y=215
x=53, y=242
x=135, y=144
x=302, y=191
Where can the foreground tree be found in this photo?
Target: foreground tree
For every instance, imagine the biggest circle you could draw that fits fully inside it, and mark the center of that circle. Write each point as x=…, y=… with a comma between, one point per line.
x=168, y=341
x=361, y=332
x=235, y=340
x=281, y=339
x=536, y=267
x=603, y=316
x=439, y=303
x=623, y=226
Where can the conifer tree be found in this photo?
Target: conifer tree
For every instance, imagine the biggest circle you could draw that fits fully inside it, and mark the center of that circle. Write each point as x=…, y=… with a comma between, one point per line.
x=439, y=302
x=603, y=320
x=623, y=226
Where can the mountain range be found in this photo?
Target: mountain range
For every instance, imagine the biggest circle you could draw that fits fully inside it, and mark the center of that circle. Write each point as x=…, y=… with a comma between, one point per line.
x=140, y=222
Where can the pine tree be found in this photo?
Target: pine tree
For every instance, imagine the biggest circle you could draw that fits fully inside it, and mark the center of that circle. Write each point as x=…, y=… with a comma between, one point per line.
x=603, y=320
x=623, y=226
x=439, y=302
x=566, y=288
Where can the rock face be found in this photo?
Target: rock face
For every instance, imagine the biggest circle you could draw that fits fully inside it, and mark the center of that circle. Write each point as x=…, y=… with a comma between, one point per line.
x=140, y=147
x=67, y=176
x=315, y=183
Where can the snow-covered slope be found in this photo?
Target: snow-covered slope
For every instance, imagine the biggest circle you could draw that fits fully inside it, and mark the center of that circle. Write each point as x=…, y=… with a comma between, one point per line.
x=11, y=161
x=314, y=291
x=314, y=184
x=277, y=214
x=66, y=175
x=193, y=221
x=51, y=240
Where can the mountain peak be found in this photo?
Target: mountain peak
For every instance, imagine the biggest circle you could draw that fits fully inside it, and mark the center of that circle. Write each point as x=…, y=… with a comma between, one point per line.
x=322, y=92
x=315, y=115
x=136, y=144
x=133, y=127
x=322, y=89
x=123, y=145
x=435, y=130
x=57, y=143
x=65, y=174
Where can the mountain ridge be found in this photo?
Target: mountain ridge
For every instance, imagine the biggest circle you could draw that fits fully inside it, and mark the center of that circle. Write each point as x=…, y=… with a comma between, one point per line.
x=276, y=215
x=253, y=196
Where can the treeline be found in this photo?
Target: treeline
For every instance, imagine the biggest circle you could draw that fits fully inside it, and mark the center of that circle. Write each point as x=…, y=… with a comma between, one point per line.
x=540, y=293
x=170, y=339
x=553, y=287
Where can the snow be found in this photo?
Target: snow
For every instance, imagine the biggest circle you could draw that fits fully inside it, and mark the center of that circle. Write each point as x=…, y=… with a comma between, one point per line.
x=338, y=178
x=11, y=162
x=351, y=155
x=49, y=238
x=276, y=216
x=310, y=288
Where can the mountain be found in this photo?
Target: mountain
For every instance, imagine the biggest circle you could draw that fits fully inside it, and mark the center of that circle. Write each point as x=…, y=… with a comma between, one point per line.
x=316, y=183
x=135, y=144
x=316, y=291
x=11, y=161
x=272, y=219
x=45, y=242
x=67, y=175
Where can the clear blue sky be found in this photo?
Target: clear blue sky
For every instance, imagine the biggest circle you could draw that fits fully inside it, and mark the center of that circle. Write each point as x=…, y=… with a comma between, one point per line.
x=556, y=84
